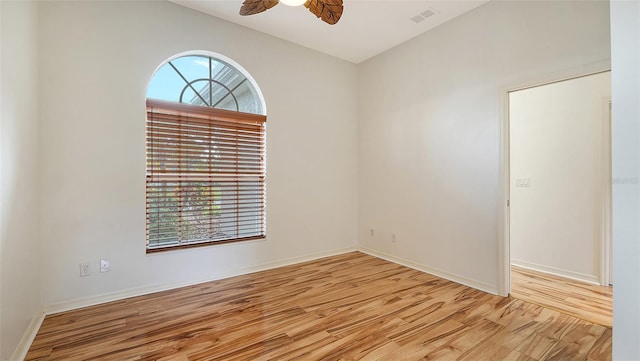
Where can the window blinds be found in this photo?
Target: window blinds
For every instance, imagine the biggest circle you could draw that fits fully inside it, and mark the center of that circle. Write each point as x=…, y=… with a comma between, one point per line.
x=205, y=178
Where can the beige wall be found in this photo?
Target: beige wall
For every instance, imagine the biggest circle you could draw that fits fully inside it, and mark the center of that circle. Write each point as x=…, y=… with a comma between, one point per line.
x=430, y=119
x=556, y=150
x=20, y=285
x=96, y=61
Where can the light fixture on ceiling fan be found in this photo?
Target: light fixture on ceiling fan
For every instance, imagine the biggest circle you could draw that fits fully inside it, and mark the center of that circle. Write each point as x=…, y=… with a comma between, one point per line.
x=327, y=10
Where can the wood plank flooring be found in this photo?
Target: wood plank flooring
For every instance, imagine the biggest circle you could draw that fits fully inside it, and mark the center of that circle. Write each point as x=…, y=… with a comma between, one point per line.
x=346, y=307
x=589, y=302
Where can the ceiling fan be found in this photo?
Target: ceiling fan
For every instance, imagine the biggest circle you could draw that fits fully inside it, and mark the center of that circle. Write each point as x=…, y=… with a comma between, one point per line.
x=327, y=10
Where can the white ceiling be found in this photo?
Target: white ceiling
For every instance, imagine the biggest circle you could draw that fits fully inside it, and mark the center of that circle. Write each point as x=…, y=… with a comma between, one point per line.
x=367, y=27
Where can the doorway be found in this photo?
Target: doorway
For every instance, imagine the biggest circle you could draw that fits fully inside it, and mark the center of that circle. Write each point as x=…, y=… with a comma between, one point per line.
x=559, y=192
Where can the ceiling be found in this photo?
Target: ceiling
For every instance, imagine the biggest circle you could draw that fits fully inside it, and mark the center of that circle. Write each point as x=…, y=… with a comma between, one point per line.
x=367, y=27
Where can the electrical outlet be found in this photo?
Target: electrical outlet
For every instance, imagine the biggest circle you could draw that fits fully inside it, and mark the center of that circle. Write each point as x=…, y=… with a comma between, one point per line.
x=104, y=265
x=85, y=269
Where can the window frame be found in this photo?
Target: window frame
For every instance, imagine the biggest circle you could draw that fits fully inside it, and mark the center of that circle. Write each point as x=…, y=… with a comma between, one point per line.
x=187, y=110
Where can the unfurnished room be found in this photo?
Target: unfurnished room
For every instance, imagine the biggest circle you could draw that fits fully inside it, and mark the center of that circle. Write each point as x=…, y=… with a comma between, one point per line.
x=320, y=180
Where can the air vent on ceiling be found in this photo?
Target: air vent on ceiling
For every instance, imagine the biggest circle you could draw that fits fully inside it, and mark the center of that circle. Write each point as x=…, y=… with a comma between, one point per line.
x=418, y=18
x=423, y=15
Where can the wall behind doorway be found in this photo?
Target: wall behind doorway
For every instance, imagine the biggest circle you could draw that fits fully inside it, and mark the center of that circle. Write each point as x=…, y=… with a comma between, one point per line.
x=556, y=178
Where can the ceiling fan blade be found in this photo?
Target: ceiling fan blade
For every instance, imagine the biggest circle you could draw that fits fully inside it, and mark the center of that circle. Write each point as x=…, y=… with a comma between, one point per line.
x=329, y=11
x=250, y=7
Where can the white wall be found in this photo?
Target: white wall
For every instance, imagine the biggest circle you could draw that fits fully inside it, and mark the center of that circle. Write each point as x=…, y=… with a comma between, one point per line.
x=430, y=119
x=19, y=243
x=625, y=67
x=556, y=147
x=96, y=60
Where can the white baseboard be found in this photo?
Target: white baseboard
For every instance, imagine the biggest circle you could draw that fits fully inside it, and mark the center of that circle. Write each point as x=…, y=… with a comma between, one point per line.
x=29, y=335
x=482, y=286
x=139, y=291
x=577, y=276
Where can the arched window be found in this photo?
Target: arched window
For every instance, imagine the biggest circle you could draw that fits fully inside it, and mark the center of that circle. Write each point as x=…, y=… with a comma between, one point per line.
x=205, y=145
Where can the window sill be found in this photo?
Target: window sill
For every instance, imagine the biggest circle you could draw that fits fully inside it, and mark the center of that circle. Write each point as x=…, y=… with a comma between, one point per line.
x=202, y=244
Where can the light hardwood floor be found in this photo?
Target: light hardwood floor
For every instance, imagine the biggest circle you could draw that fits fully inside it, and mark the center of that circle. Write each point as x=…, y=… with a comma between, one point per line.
x=346, y=307
x=589, y=302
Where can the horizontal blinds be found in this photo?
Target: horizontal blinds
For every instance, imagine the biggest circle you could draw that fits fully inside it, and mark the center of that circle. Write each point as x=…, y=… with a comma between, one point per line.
x=205, y=177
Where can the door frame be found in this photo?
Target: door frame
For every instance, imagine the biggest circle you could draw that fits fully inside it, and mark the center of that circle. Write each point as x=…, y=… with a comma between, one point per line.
x=504, y=249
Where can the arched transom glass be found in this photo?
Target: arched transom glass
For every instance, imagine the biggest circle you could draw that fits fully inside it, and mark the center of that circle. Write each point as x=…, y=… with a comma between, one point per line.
x=205, y=81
